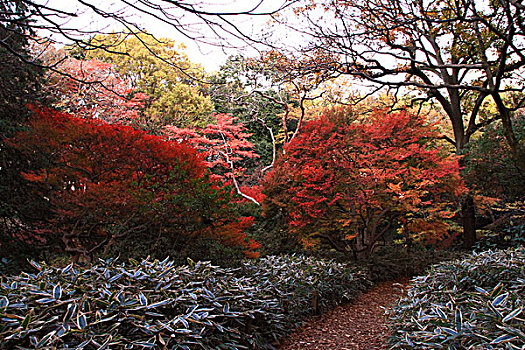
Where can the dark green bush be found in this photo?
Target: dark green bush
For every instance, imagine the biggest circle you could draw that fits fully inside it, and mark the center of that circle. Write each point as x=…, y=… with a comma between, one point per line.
x=513, y=235
x=180, y=250
x=474, y=303
x=275, y=237
x=158, y=305
x=150, y=304
x=490, y=168
x=396, y=261
x=307, y=285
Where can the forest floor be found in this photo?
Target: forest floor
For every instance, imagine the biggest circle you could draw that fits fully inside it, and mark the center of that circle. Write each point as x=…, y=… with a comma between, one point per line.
x=356, y=326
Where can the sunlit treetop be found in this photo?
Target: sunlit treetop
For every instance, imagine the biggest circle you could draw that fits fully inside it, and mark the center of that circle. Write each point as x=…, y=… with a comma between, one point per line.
x=160, y=69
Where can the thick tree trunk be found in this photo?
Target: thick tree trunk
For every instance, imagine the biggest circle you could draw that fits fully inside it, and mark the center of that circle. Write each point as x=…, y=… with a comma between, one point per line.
x=468, y=213
x=518, y=151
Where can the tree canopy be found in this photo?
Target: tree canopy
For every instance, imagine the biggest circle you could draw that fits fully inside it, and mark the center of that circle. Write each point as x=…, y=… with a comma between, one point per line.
x=347, y=183
x=456, y=53
x=154, y=67
x=133, y=140
x=111, y=185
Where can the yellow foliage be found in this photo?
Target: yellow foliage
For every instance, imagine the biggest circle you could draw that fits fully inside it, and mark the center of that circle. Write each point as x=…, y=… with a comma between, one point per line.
x=160, y=69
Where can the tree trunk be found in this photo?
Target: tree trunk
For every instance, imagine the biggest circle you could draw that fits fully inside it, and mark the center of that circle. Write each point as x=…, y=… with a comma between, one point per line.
x=468, y=213
x=518, y=151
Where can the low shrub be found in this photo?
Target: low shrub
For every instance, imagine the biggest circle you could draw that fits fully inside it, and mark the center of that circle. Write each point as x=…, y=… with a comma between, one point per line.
x=307, y=285
x=473, y=303
x=275, y=237
x=159, y=305
x=148, y=304
x=511, y=236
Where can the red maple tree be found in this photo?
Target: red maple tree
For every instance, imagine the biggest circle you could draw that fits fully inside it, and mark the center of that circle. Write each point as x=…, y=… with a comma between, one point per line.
x=347, y=182
x=225, y=147
x=93, y=89
x=111, y=184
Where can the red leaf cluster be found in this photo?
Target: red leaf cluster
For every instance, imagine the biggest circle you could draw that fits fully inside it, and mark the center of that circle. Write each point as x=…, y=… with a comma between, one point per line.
x=93, y=89
x=109, y=182
x=348, y=182
x=224, y=143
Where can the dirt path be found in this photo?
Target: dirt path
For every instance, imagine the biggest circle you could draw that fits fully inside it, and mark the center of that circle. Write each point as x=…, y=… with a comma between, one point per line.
x=357, y=326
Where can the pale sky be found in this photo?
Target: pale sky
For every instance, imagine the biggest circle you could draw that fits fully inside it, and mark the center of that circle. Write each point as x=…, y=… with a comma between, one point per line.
x=211, y=56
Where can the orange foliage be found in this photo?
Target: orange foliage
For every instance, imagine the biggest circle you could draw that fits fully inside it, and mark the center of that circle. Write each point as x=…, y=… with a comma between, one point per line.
x=343, y=179
x=429, y=232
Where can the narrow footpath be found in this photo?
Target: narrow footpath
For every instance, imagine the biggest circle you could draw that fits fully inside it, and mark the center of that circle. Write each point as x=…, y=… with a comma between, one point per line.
x=357, y=326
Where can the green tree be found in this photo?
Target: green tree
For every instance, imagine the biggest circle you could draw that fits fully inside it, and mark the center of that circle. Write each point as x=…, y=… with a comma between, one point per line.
x=490, y=169
x=232, y=92
x=19, y=85
x=160, y=69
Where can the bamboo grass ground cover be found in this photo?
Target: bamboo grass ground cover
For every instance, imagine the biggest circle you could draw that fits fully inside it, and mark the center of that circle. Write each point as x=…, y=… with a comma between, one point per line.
x=308, y=285
x=159, y=305
x=473, y=303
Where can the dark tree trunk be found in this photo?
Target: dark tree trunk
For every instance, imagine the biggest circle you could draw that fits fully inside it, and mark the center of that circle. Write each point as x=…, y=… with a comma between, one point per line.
x=518, y=151
x=468, y=213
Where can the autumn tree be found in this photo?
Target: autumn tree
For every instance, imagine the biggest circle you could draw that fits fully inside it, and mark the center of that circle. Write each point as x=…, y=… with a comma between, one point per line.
x=272, y=95
x=225, y=146
x=112, y=187
x=232, y=92
x=346, y=183
x=21, y=51
x=94, y=89
x=458, y=54
x=160, y=69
